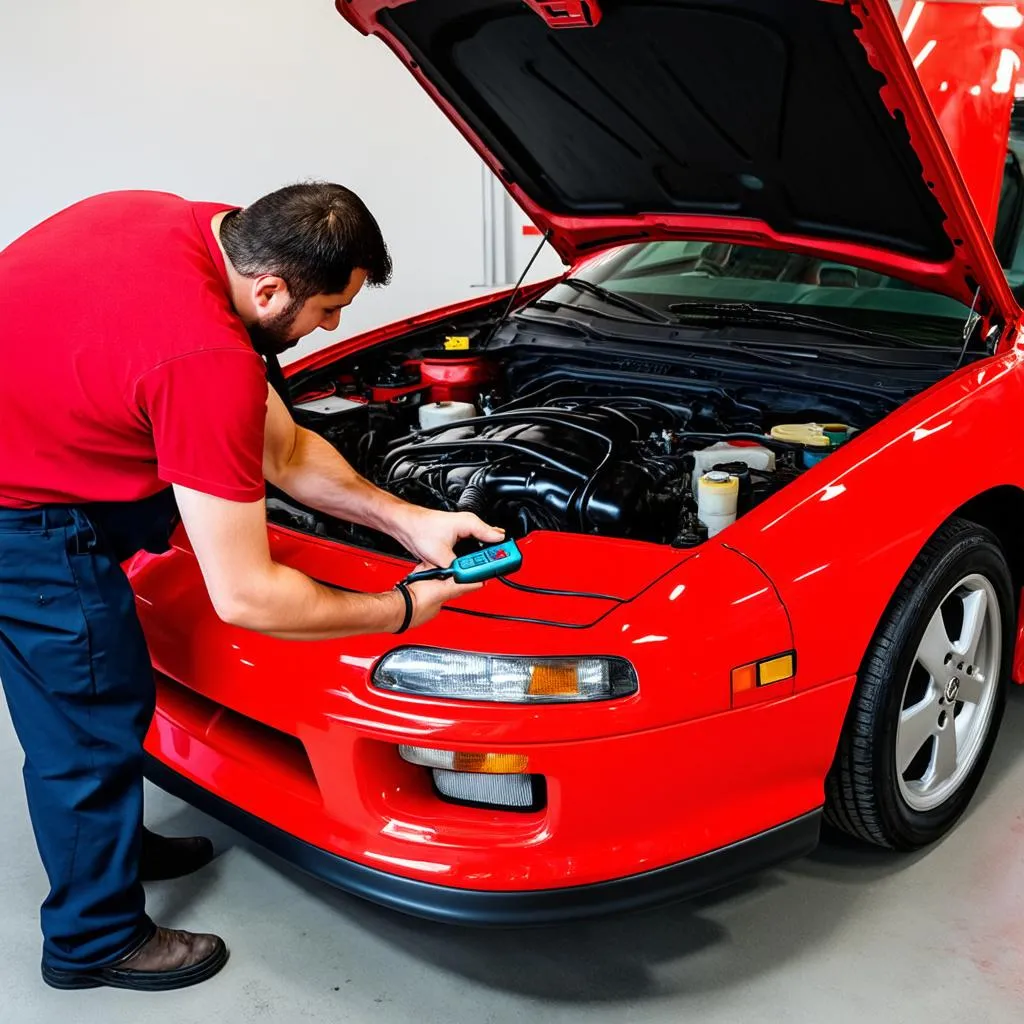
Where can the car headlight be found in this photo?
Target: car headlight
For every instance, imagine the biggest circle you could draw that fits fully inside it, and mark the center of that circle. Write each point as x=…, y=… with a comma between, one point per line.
x=428, y=672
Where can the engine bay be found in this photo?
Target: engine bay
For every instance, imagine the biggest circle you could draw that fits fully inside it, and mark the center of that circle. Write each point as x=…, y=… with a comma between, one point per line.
x=532, y=432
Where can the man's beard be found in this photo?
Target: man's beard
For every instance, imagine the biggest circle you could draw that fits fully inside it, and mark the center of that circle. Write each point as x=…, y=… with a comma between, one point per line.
x=270, y=338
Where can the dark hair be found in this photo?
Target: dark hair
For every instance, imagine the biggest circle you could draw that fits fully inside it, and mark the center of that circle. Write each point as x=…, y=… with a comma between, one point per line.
x=311, y=235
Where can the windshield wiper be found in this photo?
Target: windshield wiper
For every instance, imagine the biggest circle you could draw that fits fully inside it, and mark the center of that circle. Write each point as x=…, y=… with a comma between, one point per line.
x=615, y=299
x=721, y=349
x=745, y=312
x=553, y=304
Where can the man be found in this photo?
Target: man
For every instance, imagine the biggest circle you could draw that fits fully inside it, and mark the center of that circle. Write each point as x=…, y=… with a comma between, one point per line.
x=132, y=391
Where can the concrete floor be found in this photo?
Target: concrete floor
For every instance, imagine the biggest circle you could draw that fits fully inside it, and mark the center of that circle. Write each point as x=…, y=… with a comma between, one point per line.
x=845, y=935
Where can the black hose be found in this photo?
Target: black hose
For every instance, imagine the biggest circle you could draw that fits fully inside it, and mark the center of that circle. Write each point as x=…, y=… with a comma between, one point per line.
x=456, y=446
x=586, y=493
x=681, y=412
x=524, y=521
x=762, y=439
x=566, y=417
x=511, y=405
x=473, y=497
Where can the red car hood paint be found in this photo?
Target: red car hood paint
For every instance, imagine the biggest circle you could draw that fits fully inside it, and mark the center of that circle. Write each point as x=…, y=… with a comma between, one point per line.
x=615, y=571
x=798, y=125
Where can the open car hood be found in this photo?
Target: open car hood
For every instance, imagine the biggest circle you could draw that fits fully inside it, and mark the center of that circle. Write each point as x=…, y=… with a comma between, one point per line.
x=799, y=124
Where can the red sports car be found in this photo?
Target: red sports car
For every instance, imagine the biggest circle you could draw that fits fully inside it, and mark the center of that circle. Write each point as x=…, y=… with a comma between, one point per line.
x=756, y=447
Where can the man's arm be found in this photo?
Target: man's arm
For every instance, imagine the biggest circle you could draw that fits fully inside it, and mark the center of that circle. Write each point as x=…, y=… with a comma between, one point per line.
x=249, y=589
x=311, y=470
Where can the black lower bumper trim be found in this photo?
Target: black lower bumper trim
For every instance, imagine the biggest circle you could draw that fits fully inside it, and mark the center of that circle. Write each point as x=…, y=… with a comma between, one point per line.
x=444, y=903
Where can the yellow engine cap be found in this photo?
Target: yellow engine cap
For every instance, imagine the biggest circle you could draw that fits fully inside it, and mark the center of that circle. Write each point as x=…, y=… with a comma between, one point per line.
x=801, y=433
x=717, y=480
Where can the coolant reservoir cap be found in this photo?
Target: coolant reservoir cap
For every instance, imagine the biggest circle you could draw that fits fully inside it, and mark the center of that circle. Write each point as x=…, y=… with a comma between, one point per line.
x=719, y=480
x=812, y=434
x=837, y=433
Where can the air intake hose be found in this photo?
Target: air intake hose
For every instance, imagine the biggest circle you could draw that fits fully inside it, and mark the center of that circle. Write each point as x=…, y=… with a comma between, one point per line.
x=474, y=497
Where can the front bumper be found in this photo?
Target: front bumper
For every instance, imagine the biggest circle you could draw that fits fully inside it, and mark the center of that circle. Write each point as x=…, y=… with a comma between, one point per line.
x=616, y=807
x=450, y=905
x=296, y=736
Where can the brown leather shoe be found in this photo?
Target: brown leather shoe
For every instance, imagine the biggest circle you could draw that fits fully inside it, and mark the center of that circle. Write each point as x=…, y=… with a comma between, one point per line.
x=169, y=959
x=164, y=858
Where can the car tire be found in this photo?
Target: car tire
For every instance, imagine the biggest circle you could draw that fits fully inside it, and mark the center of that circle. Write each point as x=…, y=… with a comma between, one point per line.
x=873, y=791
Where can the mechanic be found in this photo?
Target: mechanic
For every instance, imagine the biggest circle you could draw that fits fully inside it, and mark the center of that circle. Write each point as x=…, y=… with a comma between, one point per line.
x=134, y=395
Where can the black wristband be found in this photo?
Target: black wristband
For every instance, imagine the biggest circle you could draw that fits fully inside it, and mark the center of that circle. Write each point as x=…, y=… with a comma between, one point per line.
x=407, y=619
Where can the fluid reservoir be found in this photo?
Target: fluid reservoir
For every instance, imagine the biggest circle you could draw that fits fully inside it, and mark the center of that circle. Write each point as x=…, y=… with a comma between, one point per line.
x=756, y=456
x=816, y=435
x=818, y=439
x=455, y=377
x=717, y=496
x=439, y=414
x=741, y=471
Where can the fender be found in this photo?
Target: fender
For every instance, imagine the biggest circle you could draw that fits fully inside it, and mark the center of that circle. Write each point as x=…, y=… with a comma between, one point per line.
x=837, y=541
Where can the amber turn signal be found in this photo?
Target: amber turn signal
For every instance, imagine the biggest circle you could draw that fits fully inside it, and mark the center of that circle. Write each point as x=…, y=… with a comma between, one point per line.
x=554, y=679
x=764, y=673
x=465, y=761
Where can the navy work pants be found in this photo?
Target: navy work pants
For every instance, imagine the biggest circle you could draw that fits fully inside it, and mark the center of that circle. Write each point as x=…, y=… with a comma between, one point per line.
x=79, y=686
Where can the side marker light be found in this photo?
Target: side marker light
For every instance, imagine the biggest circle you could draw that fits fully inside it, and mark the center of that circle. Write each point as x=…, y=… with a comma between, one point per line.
x=776, y=669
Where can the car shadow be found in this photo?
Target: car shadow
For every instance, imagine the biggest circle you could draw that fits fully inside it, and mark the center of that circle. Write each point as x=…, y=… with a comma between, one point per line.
x=719, y=940
x=1007, y=752
x=723, y=939
x=840, y=855
x=171, y=899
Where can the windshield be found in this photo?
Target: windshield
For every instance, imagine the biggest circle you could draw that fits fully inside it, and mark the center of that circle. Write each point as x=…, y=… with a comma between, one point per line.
x=662, y=274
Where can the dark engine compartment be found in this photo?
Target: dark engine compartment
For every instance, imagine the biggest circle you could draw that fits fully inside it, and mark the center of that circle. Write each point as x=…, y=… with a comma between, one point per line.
x=564, y=438
x=563, y=458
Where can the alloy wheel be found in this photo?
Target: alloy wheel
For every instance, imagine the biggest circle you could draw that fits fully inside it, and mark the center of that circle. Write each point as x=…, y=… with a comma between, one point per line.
x=949, y=695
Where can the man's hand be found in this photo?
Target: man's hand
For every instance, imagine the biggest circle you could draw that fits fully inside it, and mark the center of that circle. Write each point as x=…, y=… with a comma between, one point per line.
x=429, y=595
x=431, y=536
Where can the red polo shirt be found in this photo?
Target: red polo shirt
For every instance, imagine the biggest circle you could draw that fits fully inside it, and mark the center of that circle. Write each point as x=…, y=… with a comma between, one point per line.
x=123, y=367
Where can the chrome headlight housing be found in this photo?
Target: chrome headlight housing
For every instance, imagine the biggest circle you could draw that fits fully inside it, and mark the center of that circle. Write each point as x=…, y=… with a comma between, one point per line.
x=460, y=675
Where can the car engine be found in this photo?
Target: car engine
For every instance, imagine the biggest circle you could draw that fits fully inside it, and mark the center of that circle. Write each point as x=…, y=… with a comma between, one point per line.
x=538, y=440
x=615, y=465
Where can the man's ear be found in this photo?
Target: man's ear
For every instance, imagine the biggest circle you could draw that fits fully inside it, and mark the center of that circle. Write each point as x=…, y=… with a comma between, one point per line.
x=266, y=288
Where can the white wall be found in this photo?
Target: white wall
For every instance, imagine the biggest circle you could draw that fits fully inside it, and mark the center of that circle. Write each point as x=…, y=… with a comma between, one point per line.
x=227, y=100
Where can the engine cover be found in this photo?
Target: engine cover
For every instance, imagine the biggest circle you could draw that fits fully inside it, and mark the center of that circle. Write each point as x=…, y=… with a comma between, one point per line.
x=574, y=468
